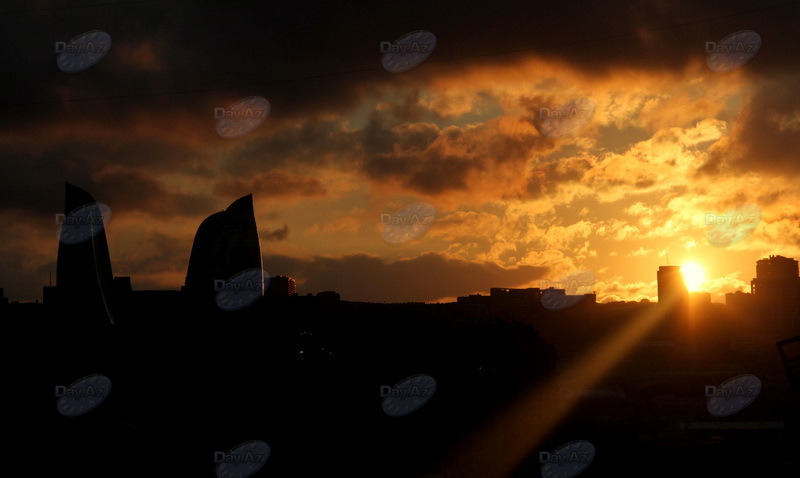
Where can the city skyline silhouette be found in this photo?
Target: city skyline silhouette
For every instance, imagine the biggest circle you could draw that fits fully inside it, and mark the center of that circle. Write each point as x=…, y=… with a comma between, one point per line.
x=227, y=243
x=571, y=363
x=403, y=239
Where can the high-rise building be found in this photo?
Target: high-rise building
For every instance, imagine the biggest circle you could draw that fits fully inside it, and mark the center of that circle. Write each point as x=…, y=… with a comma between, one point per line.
x=83, y=274
x=281, y=286
x=776, y=290
x=672, y=289
x=776, y=276
x=673, y=298
x=226, y=244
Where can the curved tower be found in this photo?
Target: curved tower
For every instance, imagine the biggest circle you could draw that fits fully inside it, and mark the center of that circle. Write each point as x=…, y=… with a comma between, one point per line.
x=226, y=244
x=83, y=273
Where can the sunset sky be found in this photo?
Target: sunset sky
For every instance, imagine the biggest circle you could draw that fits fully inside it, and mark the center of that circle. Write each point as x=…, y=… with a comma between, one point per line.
x=345, y=141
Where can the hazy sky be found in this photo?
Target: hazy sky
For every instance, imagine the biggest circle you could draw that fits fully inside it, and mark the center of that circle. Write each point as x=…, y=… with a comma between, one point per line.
x=670, y=140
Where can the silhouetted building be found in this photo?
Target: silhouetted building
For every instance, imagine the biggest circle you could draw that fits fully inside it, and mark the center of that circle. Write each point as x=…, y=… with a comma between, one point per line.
x=83, y=274
x=674, y=297
x=531, y=294
x=226, y=244
x=121, y=284
x=789, y=350
x=328, y=296
x=776, y=290
x=49, y=295
x=671, y=286
x=740, y=301
x=473, y=299
x=281, y=286
x=521, y=304
x=3, y=298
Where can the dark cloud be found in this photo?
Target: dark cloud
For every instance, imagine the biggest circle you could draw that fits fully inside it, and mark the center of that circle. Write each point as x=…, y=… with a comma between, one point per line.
x=313, y=142
x=765, y=135
x=136, y=191
x=428, y=277
x=156, y=253
x=276, y=235
x=433, y=165
x=768, y=136
x=548, y=176
x=272, y=183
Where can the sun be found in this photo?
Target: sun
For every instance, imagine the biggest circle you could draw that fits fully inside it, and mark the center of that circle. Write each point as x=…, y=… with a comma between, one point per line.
x=693, y=275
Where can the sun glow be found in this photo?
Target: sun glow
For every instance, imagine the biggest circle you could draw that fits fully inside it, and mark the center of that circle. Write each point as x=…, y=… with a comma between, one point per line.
x=693, y=275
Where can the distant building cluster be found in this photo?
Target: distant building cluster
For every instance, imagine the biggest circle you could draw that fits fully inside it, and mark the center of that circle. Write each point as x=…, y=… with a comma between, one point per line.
x=774, y=294
x=514, y=302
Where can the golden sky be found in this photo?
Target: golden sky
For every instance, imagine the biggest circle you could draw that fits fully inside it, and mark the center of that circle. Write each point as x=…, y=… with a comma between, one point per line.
x=669, y=141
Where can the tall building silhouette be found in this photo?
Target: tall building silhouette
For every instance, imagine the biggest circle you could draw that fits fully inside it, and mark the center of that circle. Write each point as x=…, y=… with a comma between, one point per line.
x=776, y=277
x=671, y=285
x=83, y=274
x=776, y=290
x=674, y=297
x=226, y=244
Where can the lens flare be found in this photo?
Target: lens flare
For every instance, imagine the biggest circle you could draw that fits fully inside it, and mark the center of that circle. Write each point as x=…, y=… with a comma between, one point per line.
x=693, y=275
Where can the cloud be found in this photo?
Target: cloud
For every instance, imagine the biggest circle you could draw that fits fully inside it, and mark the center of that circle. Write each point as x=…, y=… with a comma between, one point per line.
x=276, y=235
x=429, y=277
x=272, y=183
